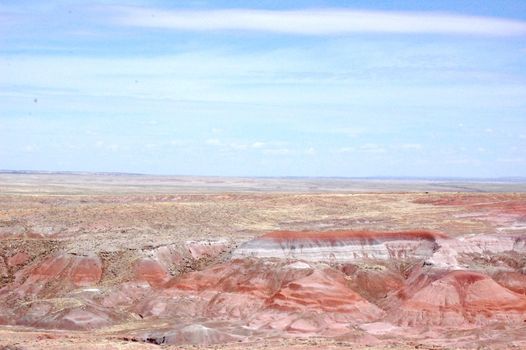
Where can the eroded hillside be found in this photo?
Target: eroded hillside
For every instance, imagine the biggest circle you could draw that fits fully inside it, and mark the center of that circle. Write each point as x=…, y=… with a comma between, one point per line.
x=296, y=270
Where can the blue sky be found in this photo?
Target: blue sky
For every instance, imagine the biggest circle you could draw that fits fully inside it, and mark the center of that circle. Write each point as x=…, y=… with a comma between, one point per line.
x=264, y=88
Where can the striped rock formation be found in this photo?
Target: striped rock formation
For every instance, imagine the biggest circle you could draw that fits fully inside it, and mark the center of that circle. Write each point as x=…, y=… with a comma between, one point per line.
x=342, y=246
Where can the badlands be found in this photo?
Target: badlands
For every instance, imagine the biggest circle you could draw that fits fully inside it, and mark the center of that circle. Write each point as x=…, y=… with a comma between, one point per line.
x=108, y=261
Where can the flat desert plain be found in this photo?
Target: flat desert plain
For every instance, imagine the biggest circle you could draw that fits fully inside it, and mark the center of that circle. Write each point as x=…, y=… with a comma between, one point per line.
x=116, y=261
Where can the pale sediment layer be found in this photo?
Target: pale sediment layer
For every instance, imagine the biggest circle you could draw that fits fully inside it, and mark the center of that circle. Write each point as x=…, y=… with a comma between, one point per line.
x=342, y=246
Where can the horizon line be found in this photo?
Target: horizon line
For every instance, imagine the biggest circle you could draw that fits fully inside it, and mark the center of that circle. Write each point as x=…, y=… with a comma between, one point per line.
x=292, y=177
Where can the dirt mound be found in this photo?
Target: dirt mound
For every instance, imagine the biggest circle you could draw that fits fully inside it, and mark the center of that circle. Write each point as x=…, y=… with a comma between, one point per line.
x=57, y=274
x=325, y=290
x=273, y=295
x=462, y=298
x=191, y=334
x=67, y=314
x=514, y=281
x=375, y=283
x=251, y=276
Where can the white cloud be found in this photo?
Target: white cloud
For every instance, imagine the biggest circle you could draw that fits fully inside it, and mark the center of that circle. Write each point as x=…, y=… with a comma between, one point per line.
x=310, y=151
x=462, y=161
x=511, y=160
x=213, y=142
x=278, y=152
x=237, y=146
x=372, y=148
x=347, y=131
x=30, y=148
x=346, y=150
x=365, y=148
x=263, y=146
x=410, y=146
x=105, y=146
x=218, y=77
x=318, y=22
x=177, y=142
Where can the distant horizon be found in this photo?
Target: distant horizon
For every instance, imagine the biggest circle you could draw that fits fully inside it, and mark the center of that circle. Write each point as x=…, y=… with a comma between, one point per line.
x=314, y=88
x=118, y=173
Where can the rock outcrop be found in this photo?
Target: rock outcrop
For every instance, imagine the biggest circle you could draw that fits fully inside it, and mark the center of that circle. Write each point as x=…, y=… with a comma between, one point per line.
x=342, y=246
x=461, y=298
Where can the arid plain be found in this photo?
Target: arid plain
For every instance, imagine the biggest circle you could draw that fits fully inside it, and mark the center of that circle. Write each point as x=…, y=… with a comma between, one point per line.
x=105, y=261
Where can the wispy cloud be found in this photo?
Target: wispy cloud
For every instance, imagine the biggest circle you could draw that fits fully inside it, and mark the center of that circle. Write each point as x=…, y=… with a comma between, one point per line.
x=365, y=148
x=511, y=160
x=319, y=21
x=409, y=146
x=271, y=147
x=278, y=152
x=311, y=151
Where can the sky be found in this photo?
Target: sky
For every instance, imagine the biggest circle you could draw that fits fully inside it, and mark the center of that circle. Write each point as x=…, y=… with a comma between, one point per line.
x=264, y=88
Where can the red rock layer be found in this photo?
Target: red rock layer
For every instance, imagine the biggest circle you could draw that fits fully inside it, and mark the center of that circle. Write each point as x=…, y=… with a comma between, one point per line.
x=336, y=237
x=460, y=298
x=246, y=276
x=151, y=271
x=228, y=301
x=17, y=259
x=514, y=281
x=259, y=291
x=374, y=284
x=494, y=203
x=342, y=246
x=65, y=314
x=324, y=290
x=69, y=271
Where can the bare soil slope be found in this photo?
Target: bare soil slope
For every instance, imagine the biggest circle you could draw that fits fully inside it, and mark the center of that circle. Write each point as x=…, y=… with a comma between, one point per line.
x=134, y=262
